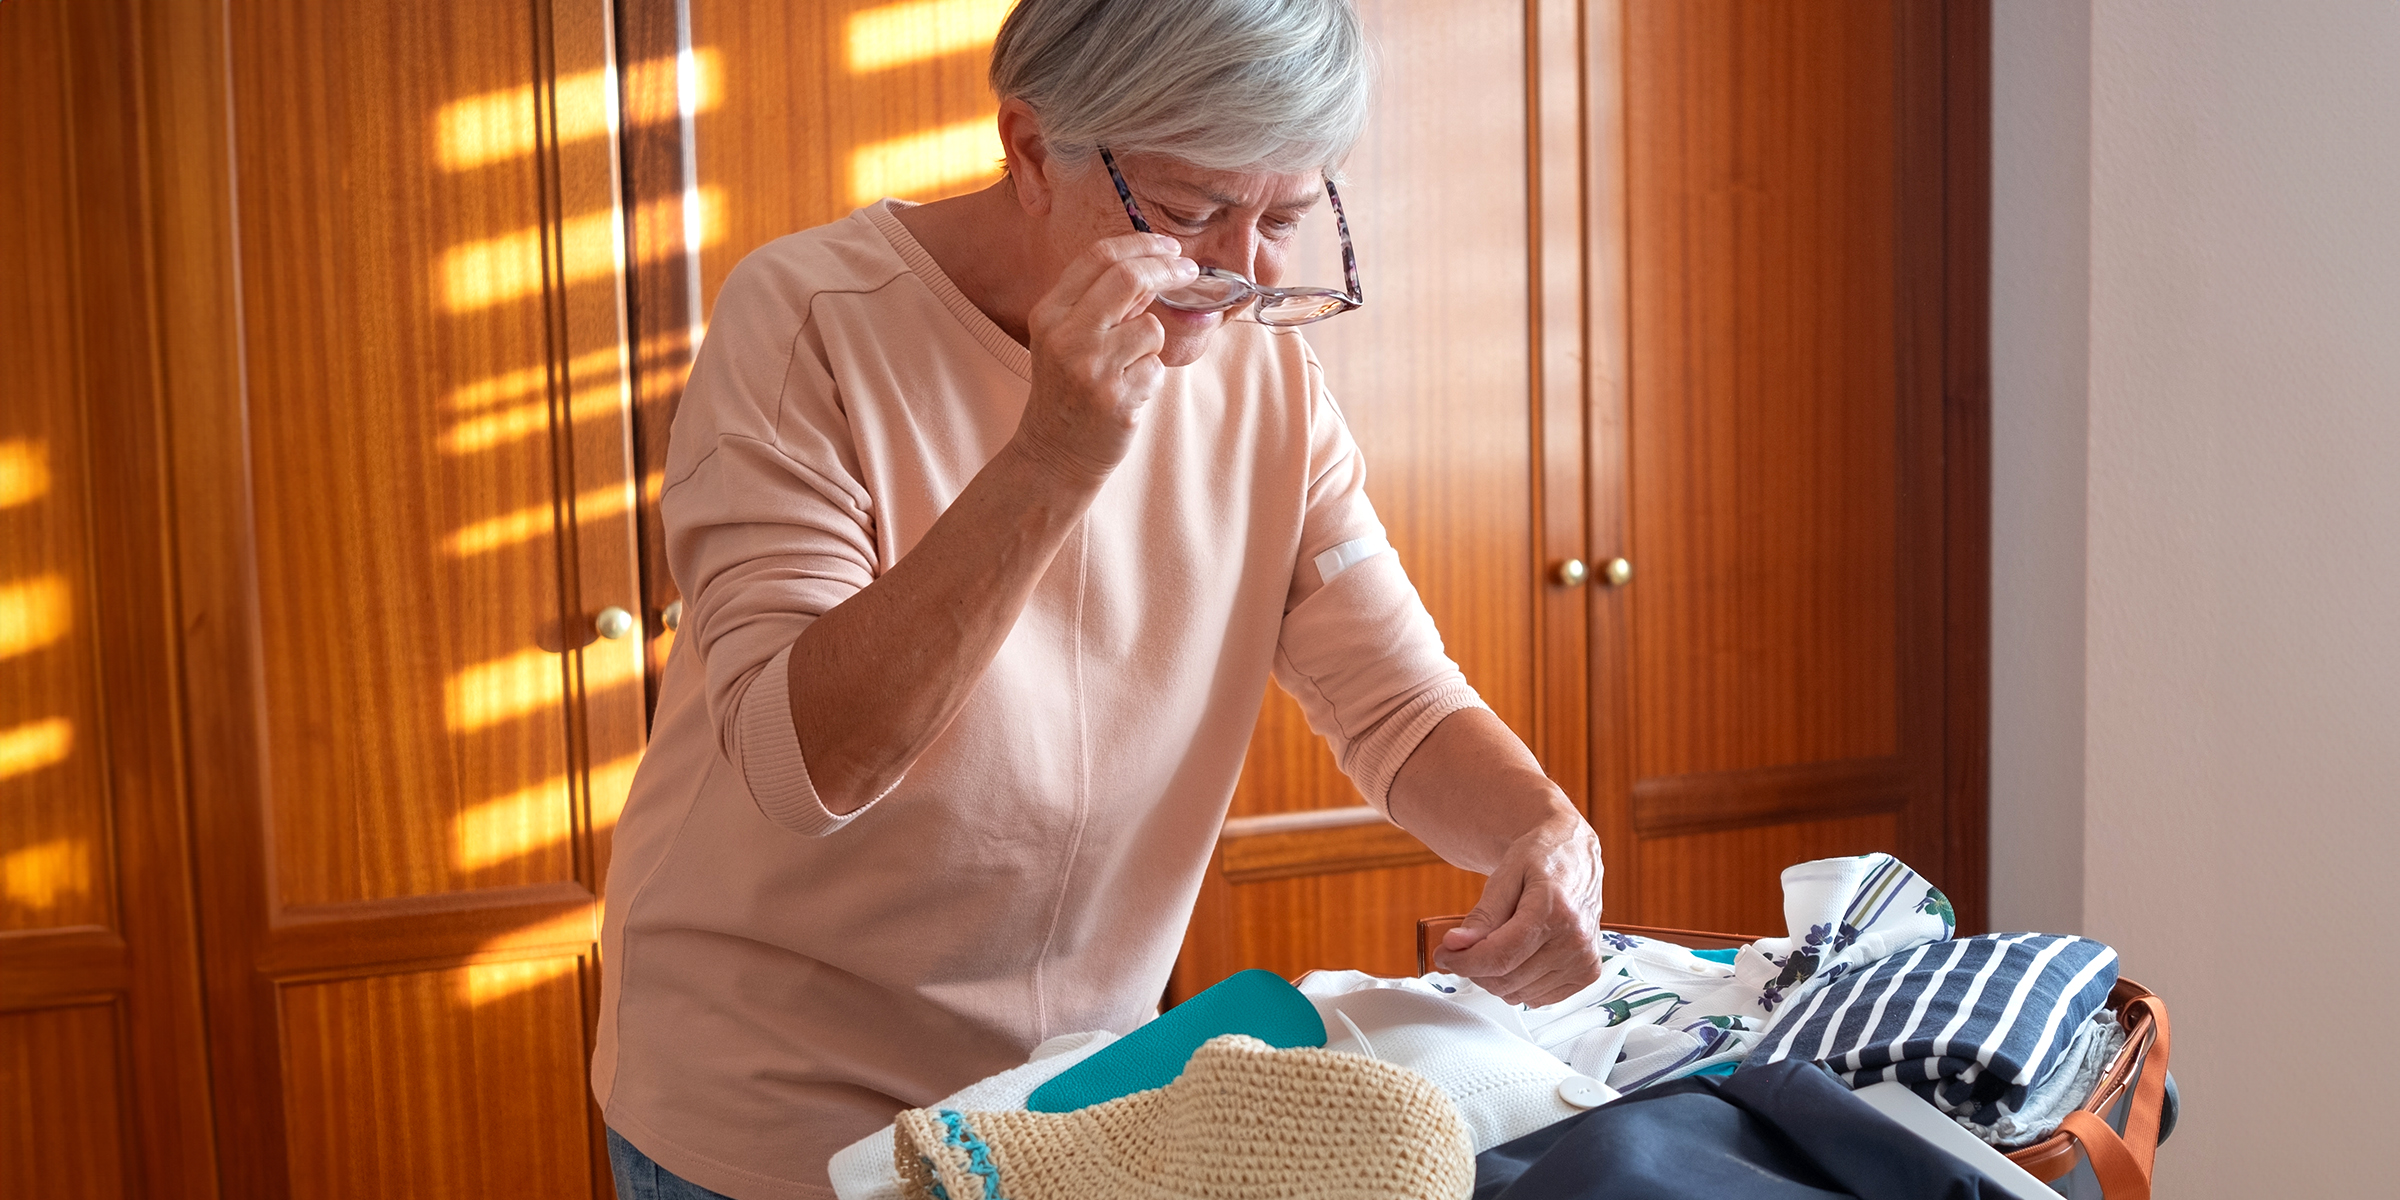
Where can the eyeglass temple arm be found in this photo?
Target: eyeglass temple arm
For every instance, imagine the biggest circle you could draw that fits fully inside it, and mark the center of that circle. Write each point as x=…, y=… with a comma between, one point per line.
x=1124, y=193
x=1349, y=258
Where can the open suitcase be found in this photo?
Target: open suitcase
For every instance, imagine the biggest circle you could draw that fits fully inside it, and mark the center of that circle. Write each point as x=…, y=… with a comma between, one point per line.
x=2105, y=1150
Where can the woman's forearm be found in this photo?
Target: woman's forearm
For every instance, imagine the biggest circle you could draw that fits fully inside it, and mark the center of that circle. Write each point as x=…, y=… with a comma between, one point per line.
x=1470, y=789
x=876, y=679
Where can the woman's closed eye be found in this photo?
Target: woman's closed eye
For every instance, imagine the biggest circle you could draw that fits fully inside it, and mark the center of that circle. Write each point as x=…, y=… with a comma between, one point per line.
x=1273, y=226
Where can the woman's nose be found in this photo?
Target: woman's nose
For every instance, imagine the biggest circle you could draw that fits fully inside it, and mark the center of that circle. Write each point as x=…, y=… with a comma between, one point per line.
x=1233, y=250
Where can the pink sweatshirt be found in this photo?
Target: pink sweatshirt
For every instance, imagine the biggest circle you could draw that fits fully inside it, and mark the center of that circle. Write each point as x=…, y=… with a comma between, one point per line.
x=779, y=981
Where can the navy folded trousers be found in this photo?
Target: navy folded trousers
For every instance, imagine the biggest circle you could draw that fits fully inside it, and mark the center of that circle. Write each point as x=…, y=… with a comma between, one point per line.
x=1784, y=1131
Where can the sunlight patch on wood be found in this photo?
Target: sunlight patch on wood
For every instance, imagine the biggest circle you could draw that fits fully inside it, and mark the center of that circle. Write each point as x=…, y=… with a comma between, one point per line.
x=480, y=274
x=935, y=160
x=35, y=745
x=24, y=471
x=540, y=816
x=519, y=422
x=533, y=521
x=34, y=613
x=505, y=124
x=487, y=982
x=893, y=35
x=530, y=681
x=45, y=873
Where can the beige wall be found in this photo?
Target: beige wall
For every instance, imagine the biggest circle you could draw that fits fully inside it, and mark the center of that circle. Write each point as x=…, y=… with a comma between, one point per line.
x=2234, y=262
x=2041, y=271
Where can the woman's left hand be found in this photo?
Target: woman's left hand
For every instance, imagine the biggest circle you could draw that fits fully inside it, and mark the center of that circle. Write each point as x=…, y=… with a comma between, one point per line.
x=1533, y=937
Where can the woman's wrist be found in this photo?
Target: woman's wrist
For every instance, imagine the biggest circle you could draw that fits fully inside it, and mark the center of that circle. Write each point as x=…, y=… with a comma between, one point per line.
x=1043, y=464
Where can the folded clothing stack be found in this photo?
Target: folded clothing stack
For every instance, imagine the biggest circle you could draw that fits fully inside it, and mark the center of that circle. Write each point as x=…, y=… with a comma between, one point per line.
x=1978, y=1026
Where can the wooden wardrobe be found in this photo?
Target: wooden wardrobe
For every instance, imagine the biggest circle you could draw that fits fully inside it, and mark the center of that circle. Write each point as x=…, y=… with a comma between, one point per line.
x=341, y=343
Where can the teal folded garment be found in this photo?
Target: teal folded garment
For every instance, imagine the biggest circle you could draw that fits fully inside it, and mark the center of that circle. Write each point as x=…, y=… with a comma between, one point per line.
x=1258, y=1003
x=1726, y=956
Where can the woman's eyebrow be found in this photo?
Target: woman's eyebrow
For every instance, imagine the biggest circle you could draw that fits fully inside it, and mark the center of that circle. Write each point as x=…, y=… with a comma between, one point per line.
x=1304, y=200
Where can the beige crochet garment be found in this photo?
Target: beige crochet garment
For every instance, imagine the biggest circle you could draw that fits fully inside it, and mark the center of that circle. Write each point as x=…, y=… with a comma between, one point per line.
x=1244, y=1122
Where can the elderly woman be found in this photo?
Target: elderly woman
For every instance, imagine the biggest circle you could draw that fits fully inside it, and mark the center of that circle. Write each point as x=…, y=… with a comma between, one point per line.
x=993, y=517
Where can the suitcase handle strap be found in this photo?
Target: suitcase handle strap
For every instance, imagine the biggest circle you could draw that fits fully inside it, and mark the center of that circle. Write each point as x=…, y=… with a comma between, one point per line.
x=2121, y=1178
x=2123, y=1165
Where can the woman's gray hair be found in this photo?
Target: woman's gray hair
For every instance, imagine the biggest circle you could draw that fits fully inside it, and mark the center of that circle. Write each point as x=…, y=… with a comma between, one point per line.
x=1276, y=85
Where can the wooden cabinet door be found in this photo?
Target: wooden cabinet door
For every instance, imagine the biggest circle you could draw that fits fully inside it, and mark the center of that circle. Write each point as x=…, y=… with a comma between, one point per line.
x=392, y=260
x=1790, y=460
x=103, y=1084
x=1462, y=381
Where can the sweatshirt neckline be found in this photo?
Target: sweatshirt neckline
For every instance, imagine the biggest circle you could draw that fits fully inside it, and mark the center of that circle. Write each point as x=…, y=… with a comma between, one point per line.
x=1008, y=350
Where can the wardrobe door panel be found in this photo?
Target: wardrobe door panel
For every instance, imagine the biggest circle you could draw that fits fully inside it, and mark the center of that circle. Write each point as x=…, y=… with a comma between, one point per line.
x=405, y=498
x=62, y=1104
x=458, y=1071
x=56, y=864
x=1778, y=689
x=406, y=486
x=102, y=1084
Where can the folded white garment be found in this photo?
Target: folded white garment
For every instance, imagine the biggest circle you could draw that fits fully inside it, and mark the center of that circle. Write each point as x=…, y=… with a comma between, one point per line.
x=862, y=1170
x=1503, y=1084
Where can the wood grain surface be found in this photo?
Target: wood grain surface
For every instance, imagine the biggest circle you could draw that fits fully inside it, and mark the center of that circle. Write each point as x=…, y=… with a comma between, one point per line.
x=815, y=94
x=56, y=862
x=407, y=577
x=1765, y=408
x=1780, y=691
x=399, y=1079
x=1711, y=880
x=393, y=246
x=100, y=1018
x=63, y=1104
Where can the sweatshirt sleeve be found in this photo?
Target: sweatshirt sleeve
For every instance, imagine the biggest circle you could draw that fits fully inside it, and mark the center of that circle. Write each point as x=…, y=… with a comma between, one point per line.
x=1357, y=649
x=767, y=528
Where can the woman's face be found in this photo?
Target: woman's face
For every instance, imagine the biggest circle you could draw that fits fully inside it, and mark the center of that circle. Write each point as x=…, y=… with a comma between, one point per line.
x=1246, y=222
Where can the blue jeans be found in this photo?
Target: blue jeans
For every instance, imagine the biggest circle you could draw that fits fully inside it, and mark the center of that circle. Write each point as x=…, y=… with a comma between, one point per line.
x=638, y=1178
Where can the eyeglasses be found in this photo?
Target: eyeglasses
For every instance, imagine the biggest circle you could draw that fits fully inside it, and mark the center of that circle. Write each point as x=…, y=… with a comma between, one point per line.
x=1219, y=290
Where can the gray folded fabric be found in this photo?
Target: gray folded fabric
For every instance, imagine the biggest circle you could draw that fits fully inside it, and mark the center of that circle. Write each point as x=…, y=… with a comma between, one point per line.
x=2068, y=1085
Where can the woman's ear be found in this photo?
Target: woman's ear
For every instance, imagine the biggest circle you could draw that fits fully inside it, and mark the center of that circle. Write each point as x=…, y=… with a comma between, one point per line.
x=1029, y=160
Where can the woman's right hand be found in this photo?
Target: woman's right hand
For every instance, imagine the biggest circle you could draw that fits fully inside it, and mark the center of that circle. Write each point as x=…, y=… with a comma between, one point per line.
x=1095, y=353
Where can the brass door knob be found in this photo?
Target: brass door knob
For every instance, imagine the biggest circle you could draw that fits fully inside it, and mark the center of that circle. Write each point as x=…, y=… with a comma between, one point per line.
x=1618, y=572
x=673, y=616
x=613, y=622
x=1572, y=573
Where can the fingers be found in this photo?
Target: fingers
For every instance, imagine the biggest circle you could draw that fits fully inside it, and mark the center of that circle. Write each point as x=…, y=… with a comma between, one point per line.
x=1125, y=289
x=1116, y=278
x=1562, y=967
x=1096, y=351
x=1533, y=936
x=1502, y=951
x=1492, y=940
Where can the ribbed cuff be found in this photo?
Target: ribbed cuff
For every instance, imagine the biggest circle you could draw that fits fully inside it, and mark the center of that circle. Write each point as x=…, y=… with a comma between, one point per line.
x=1380, y=752
x=771, y=764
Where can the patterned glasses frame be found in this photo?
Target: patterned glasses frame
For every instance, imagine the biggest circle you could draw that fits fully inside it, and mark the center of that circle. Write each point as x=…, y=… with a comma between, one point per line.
x=1276, y=306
